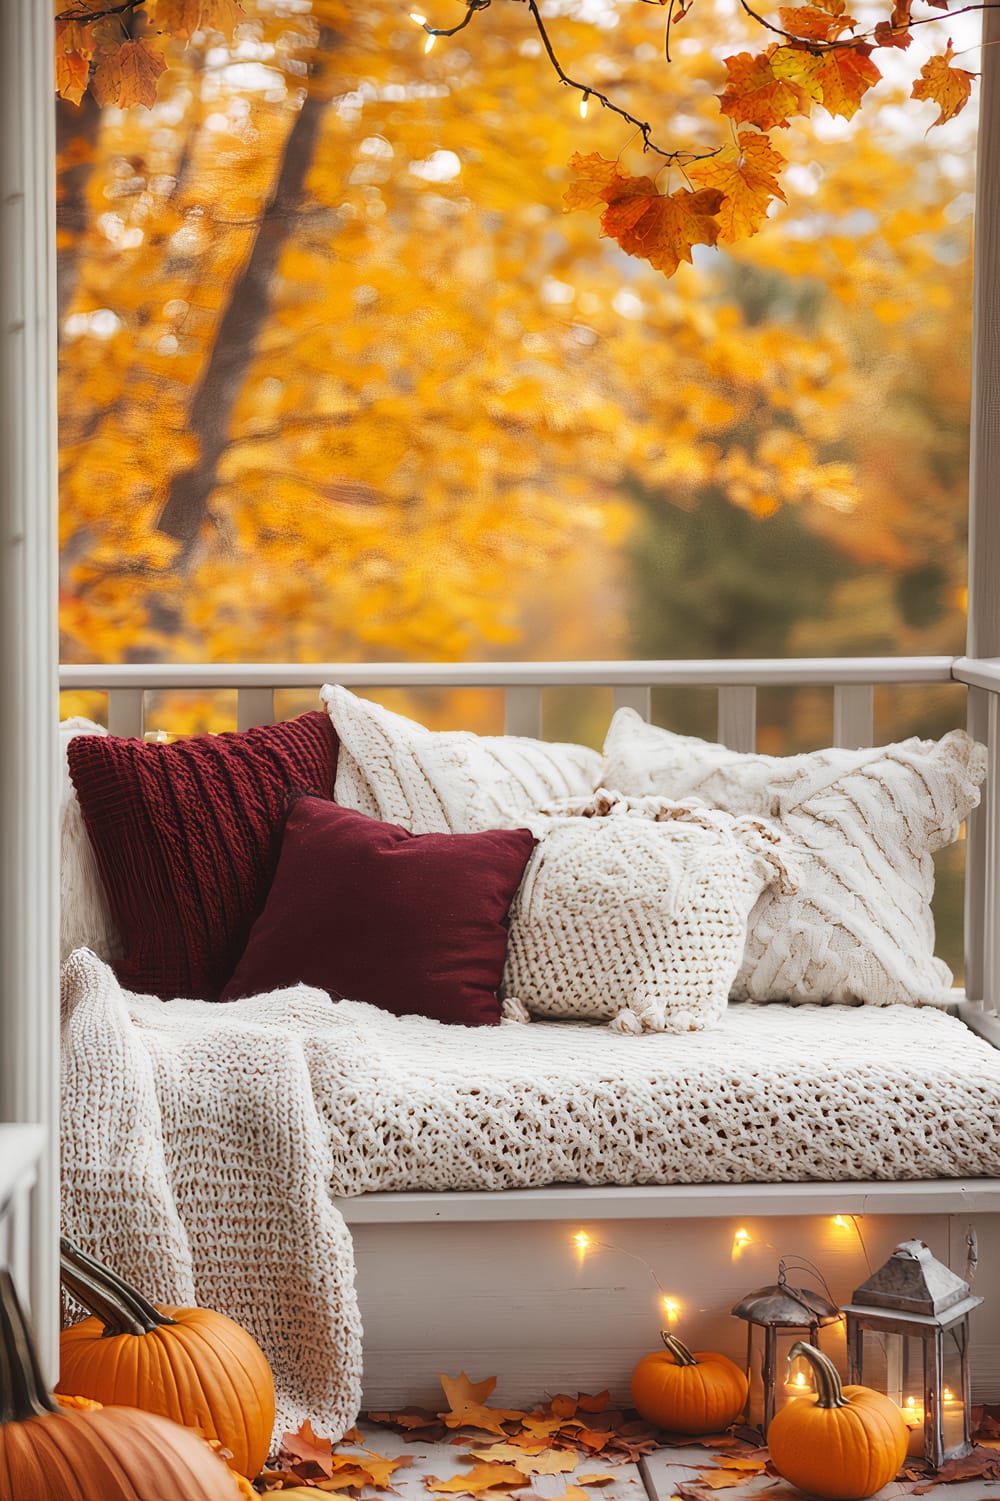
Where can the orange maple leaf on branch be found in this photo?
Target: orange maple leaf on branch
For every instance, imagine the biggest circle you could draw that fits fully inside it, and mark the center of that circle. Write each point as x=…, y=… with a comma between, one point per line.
x=747, y=176
x=660, y=228
x=948, y=87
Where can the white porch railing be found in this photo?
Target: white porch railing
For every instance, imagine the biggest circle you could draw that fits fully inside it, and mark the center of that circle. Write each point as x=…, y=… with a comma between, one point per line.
x=852, y=680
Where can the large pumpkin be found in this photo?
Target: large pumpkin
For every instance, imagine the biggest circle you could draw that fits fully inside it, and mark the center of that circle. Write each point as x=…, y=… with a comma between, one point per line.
x=686, y=1393
x=842, y=1443
x=189, y=1364
x=106, y=1454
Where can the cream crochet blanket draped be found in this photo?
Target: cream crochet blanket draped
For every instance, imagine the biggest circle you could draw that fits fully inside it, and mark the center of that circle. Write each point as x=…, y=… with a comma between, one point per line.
x=195, y=1161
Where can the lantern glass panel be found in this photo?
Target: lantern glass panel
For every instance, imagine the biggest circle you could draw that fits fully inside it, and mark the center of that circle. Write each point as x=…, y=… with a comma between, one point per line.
x=772, y=1384
x=894, y=1364
x=953, y=1389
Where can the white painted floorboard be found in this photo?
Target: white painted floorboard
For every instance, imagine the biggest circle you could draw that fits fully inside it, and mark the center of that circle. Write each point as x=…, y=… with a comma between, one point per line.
x=444, y=1460
x=667, y=1468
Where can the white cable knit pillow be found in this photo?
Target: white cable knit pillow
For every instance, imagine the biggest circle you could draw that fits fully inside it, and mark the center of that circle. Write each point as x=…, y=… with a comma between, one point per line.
x=446, y=782
x=636, y=911
x=85, y=919
x=861, y=827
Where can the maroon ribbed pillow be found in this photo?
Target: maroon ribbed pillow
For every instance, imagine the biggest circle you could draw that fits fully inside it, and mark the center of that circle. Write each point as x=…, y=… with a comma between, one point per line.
x=414, y=923
x=185, y=841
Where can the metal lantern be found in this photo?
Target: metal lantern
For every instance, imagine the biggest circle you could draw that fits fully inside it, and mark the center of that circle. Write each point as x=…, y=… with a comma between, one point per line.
x=776, y=1317
x=908, y=1336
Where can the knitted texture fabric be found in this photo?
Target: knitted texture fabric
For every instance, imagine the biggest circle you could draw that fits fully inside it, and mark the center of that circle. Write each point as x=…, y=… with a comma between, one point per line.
x=196, y=1163
x=861, y=827
x=184, y=837
x=637, y=911
x=447, y=782
x=200, y=1143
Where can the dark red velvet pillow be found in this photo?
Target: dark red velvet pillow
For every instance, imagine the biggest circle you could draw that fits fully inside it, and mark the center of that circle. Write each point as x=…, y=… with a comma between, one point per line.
x=414, y=923
x=185, y=838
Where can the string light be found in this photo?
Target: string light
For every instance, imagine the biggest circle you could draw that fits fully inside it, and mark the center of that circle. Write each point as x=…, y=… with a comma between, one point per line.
x=841, y=1223
x=582, y=1242
x=431, y=39
x=584, y=106
x=417, y=18
x=671, y=1309
x=741, y=1240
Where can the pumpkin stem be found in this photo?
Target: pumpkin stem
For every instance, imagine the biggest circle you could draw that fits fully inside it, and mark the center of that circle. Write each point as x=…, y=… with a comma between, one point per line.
x=825, y=1374
x=678, y=1349
x=120, y=1308
x=23, y=1391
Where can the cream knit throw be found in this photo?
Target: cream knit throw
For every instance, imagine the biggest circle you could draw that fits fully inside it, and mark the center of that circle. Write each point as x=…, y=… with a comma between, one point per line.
x=196, y=1162
x=636, y=910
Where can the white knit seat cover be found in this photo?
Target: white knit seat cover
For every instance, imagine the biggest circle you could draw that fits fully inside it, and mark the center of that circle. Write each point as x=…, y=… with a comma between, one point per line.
x=860, y=826
x=636, y=911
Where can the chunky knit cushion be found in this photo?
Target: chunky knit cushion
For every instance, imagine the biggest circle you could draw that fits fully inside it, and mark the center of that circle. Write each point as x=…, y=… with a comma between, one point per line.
x=414, y=923
x=636, y=911
x=447, y=782
x=183, y=837
x=85, y=920
x=861, y=826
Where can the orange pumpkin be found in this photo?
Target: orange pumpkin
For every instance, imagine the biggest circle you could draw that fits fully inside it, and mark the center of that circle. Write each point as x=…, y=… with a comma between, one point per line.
x=685, y=1393
x=103, y=1454
x=842, y=1443
x=189, y=1364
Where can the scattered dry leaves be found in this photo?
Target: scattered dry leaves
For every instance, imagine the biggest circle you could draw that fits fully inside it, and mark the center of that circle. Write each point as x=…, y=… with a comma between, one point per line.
x=544, y=1461
x=477, y=1481
x=981, y=1464
x=467, y=1405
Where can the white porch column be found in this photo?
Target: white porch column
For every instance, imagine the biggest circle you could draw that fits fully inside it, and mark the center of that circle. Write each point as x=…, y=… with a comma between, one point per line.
x=29, y=1005
x=982, y=891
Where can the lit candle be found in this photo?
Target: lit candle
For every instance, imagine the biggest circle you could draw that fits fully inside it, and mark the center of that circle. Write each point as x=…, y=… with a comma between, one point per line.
x=952, y=1419
x=913, y=1416
x=798, y=1386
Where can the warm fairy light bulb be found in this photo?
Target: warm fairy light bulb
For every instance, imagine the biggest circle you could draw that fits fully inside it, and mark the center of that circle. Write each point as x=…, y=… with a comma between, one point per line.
x=431, y=39
x=581, y=1240
x=841, y=1222
x=671, y=1309
x=417, y=18
x=740, y=1241
x=584, y=106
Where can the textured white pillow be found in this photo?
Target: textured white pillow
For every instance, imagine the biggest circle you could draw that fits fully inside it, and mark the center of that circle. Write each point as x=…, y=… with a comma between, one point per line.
x=861, y=827
x=446, y=782
x=85, y=919
x=637, y=911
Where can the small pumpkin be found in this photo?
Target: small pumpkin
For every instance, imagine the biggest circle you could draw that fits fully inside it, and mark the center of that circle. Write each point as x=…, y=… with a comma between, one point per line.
x=97, y=1454
x=685, y=1393
x=193, y=1365
x=842, y=1443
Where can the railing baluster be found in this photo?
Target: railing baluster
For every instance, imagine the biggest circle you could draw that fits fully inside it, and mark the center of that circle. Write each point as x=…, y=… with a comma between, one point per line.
x=254, y=706
x=978, y=725
x=639, y=698
x=853, y=714
x=125, y=711
x=522, y=712
x=738, y=718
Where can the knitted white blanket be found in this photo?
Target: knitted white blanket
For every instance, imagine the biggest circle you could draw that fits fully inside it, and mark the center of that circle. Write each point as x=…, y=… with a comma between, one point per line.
x=195, y=1161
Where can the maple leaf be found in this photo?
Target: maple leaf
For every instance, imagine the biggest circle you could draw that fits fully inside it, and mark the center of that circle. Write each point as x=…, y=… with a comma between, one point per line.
x=746, y=175
x=663, y=230
x=481, y=1478
x=813, y=24
x=106, y=83
x=887, y=35
x=591, y=1439
x=545, y=1462
x=308, y=1446
x=757, y=93
x=597, y=1478
x=74, y=49
x=948, y=87
x=845, y=74
x=139, y=67
x=593, y=176
x=467, y=1407
x=598, y=1402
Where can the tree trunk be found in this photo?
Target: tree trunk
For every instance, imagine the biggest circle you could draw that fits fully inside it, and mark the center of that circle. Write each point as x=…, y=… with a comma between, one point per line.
x=74, y=122
x=246, y=313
